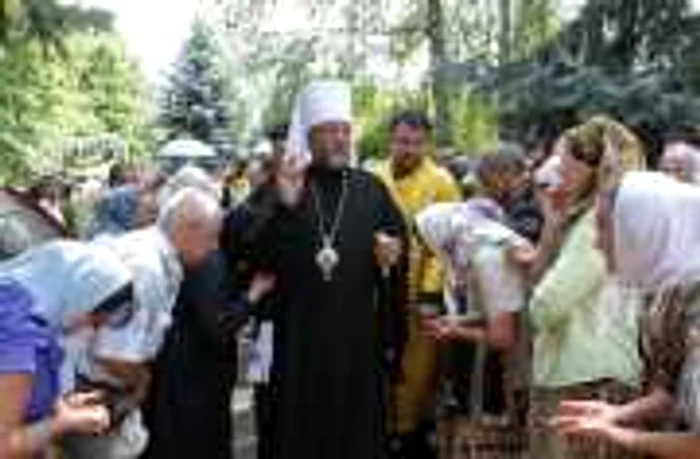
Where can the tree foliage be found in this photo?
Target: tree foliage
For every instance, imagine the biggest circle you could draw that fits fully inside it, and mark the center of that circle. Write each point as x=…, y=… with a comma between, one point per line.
x=47, y=21
x=633, y=59
x=90, y=88
x=375, y=43
x=620, y=36
x=195, y=103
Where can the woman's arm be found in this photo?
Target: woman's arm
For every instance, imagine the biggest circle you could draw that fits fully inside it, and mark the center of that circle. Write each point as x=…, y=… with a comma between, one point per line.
x=598, y=419
x=574, y=280
x=651, y=407
x=500, y=289
x=498, y=333
x=79, y=413
x=23, y=441
x=662, y=445
x=15, y=389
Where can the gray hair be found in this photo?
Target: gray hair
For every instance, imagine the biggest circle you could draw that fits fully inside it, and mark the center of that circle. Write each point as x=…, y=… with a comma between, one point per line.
x=188, y=177
x=188, y=204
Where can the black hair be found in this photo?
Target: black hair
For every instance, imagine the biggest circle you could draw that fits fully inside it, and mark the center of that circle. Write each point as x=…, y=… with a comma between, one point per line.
x=689, y=135
x=459, y=167
x=119, y=304
x=413, y=118
x=277, y=132
x=117, y=175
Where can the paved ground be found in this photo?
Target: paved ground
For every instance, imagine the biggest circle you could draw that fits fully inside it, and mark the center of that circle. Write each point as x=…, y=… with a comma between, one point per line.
x=244, y=440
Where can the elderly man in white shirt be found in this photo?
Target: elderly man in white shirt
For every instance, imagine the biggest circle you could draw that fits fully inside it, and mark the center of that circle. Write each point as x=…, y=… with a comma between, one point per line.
x=117, y=360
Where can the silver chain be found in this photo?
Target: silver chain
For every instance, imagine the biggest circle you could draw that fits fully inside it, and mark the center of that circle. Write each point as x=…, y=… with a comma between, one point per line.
x=340, y=210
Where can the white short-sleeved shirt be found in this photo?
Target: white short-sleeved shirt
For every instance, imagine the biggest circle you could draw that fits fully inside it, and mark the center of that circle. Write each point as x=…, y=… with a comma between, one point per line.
x=157, y=275
x=501, y=285
x=495, y=283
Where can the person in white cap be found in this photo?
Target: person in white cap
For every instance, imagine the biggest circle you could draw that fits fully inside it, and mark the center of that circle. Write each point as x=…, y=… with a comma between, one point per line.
x=337, y=242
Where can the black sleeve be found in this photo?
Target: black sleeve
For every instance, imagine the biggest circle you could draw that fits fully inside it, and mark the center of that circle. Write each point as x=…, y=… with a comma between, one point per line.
x=393, y=290
x=216, y=307
x=527, y=222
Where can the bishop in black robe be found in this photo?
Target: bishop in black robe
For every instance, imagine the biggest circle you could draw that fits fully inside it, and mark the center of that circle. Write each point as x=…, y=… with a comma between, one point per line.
x=337, y=340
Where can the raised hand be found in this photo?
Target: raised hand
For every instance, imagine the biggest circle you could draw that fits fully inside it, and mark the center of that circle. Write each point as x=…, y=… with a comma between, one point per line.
x=261, y=285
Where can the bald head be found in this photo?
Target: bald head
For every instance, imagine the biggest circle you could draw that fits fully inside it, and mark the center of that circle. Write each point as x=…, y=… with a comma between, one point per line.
x=192, y=220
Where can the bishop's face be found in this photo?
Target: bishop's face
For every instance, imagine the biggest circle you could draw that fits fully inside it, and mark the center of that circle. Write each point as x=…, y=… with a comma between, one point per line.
x=330, y=144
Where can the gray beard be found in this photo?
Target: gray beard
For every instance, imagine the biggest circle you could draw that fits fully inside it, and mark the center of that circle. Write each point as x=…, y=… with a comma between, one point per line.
x=337, y=161
x=290, y=197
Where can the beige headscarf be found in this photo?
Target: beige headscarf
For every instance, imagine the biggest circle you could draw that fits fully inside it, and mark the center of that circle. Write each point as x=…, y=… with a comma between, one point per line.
x=608, y=146
x=605, y=145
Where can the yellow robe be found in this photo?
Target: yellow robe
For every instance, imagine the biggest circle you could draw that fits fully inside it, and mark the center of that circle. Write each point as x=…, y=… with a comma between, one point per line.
x=426, y=185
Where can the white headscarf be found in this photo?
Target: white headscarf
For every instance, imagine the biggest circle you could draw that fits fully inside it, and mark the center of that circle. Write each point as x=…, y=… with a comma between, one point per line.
x=320, y=102
x=441, y=224
x=454, y=231
x=656, y=224
x=67, y=278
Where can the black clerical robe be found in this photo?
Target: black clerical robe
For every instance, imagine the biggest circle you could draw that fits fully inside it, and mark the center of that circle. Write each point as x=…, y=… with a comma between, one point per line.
x=331, y=337
x=188, y=409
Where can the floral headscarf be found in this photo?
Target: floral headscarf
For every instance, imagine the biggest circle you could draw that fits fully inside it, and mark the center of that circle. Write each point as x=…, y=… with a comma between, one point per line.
x=607, y=146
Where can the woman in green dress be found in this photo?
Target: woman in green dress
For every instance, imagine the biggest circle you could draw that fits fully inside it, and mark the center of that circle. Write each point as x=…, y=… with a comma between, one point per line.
x=583, y=345
x=648, y=228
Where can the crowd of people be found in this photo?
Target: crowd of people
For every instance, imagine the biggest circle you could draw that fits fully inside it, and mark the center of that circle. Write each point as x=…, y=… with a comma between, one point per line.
x=395, y=311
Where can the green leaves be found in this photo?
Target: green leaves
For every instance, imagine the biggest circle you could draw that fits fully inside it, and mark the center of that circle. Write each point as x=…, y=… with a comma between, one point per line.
x=90, y=89
x=197, y=102
x=47, y=21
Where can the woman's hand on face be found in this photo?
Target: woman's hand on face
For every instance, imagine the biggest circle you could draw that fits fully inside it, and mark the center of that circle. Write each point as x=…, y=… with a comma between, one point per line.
x=554, y=204
x=81, y=413
x=261, y=285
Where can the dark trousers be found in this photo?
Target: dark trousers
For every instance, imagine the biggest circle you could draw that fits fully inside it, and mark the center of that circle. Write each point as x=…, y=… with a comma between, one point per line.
x=264, y=420
x=419, y=444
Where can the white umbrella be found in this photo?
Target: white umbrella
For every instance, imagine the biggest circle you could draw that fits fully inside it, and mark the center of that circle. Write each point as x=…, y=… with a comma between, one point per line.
x=186, y=149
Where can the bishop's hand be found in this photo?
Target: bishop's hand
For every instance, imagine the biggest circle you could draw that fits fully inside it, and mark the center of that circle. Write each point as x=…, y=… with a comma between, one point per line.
x=387, y=250
x=261, y=285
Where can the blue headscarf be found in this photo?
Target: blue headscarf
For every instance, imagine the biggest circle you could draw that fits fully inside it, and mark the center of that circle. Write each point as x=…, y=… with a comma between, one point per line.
x=42, y=291
x=66, y=278
x=116, y=213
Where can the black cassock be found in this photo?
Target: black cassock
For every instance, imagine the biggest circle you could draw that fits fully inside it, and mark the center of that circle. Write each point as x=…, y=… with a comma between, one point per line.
x=331, y=337
x=188, y=409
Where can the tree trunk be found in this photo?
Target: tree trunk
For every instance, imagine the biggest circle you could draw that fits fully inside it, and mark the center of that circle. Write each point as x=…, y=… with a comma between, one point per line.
x=505, y=31
x=438, y=59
